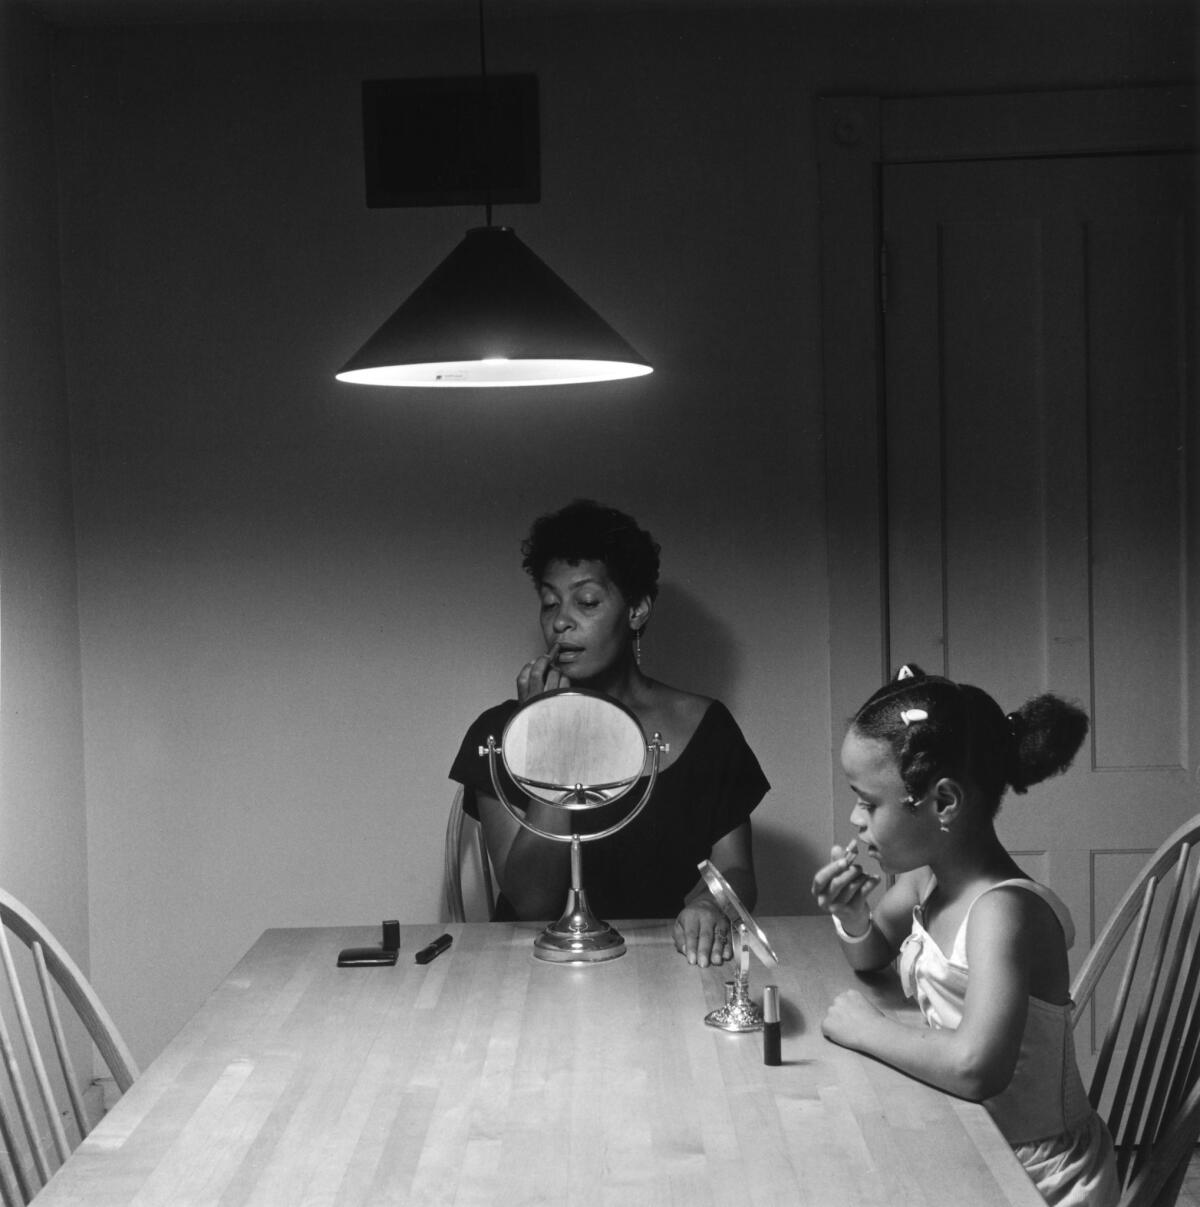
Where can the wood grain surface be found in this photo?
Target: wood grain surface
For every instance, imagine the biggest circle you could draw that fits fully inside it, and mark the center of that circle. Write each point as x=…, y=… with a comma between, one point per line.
x=487, y=1077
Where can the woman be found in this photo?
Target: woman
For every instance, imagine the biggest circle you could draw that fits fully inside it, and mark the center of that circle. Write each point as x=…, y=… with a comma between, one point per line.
x=596, y=574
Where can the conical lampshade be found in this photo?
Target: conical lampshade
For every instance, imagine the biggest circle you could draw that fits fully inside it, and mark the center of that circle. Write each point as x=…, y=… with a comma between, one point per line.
x=492, y=314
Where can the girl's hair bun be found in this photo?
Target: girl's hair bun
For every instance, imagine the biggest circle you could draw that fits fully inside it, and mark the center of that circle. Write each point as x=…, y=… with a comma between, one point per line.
x=1047, y=733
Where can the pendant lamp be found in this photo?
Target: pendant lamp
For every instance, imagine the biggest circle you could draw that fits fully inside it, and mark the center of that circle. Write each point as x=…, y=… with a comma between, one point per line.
x=493, y=314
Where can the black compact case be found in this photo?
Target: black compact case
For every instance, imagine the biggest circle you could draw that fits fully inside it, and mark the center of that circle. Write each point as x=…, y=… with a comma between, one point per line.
x=366, y=957
x=359, y=957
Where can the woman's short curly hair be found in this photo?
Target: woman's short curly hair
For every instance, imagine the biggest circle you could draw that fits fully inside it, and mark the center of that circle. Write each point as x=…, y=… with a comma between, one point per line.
x=937, y=727
x=585, y=531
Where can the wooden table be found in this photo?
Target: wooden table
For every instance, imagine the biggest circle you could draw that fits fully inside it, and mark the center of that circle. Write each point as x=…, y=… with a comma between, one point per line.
x=489, y=1077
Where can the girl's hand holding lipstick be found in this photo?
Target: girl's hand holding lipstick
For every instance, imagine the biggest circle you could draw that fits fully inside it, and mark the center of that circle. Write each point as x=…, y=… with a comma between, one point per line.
x=841, y=888
x=541, y=675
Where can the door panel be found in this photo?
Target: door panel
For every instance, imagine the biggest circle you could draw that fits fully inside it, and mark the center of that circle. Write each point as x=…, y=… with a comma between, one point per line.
x=1040, y=463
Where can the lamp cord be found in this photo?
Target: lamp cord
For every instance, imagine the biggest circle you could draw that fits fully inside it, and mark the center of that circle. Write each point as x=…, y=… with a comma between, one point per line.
x=486, y=118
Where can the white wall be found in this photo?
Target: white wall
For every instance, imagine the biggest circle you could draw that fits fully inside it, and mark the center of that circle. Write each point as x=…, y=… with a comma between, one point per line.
x=42, y=823
x=295, y=594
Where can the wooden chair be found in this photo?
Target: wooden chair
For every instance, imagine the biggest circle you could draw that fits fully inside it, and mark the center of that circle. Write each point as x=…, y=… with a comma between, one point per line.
x=1146, y=1082
x=465, y=847
x=34, y=1148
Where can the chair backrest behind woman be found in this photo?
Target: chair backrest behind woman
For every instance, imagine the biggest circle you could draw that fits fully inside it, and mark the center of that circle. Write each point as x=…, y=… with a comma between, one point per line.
x=465, y=848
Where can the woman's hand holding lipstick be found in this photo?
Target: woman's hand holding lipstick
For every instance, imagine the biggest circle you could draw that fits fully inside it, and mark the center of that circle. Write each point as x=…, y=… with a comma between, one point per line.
x=541, y=674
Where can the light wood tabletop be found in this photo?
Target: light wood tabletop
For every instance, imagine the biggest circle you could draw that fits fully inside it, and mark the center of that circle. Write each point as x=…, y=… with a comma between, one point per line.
x=489, y=1077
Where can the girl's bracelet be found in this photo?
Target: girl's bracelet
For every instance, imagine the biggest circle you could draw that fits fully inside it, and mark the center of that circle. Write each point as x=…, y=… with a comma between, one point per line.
x=845, y=938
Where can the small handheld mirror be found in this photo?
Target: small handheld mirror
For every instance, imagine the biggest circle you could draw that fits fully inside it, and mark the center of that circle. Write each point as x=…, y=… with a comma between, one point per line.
x=575, y=750
x=739, y=1013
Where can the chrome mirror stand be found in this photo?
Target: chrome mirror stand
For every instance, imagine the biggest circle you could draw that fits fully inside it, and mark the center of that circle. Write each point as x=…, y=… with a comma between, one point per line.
x=605, y=742
x=578, y=937
x=739, y=1013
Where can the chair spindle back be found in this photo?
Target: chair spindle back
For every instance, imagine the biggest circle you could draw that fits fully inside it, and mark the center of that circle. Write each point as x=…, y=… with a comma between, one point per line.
x=1148, y=1065
x=43, y=1113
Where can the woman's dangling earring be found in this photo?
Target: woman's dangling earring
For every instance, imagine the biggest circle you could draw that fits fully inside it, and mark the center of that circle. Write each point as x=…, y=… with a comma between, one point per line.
x=637, y=646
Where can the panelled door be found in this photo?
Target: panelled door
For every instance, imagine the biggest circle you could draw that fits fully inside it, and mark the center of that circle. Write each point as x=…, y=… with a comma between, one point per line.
x=1041, y=465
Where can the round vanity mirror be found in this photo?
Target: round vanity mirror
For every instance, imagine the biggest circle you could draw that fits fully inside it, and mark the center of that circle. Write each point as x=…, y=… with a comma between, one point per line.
x=737, y=913
x=576, y=750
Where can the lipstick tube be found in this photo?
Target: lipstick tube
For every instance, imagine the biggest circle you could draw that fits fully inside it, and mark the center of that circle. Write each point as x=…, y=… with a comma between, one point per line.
x=771, y=1038
x=432, y=950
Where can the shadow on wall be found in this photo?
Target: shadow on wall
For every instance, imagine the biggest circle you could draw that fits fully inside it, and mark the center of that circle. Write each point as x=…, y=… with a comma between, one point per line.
x=784, y=865
x=688, y=647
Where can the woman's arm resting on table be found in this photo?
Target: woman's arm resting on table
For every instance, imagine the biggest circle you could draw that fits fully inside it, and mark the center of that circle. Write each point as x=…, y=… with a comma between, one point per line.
x=702, y=931
x=977, y=1060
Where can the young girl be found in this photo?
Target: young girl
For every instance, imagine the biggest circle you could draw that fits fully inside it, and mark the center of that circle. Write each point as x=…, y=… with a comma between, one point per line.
x=982, y=948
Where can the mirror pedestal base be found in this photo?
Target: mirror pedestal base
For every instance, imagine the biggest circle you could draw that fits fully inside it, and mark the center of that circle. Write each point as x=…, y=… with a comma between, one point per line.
x=736, y=1016
x=578, y=937
x=589, y=948
x=740, y=1012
